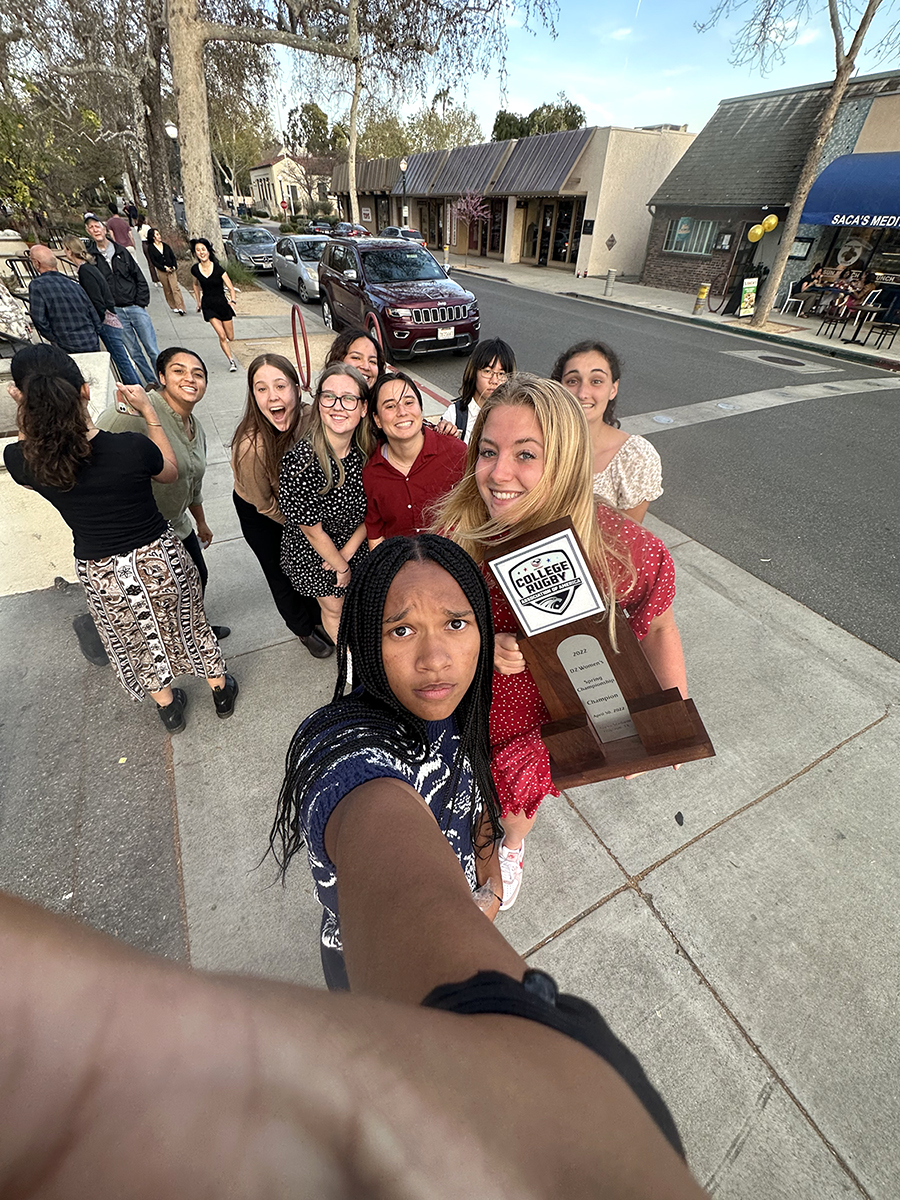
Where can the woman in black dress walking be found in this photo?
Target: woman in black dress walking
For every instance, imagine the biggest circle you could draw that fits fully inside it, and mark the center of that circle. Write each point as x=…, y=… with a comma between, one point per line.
x=210, y=282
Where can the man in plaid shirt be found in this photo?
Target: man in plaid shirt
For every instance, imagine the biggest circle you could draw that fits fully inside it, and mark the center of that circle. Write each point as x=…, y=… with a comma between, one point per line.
x=60, y=308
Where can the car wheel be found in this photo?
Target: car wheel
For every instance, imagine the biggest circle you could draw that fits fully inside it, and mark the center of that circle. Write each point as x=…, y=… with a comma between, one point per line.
x=302, y=292
x=327, y=313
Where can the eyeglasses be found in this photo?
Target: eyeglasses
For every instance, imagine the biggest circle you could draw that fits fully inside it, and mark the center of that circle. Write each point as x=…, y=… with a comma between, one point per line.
x=329, y=400
x=500, y=376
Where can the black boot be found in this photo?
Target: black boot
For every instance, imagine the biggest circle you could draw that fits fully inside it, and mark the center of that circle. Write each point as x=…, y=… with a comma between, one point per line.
x=225, y=697
x=89, y=640
x=172, y=715
x=317, y=646
x=221, y=631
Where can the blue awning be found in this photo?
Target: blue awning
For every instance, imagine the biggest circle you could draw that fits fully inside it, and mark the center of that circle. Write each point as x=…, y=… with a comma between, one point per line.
x=857, y=189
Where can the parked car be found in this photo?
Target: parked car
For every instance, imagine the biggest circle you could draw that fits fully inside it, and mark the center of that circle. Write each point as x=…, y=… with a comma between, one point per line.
x=404, y=231
x=252, y=246
x=297, y=262
x=398, y=290
x=318, y=227
x=228, y=225
x=348, y=229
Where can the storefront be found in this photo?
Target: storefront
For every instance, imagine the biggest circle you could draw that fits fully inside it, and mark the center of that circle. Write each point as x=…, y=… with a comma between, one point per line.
x=857, y=197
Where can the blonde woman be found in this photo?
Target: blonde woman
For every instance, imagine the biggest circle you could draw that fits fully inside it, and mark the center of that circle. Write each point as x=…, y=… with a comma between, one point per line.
x=530, y=462
x=321, y=494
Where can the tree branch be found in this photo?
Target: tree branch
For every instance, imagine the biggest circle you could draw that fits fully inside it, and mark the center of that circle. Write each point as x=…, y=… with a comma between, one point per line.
x=835, y=18
x=213, y=32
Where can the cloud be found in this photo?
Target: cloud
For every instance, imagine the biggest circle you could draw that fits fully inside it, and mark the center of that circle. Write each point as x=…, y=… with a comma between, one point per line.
x=808, y=35
x=672, y=72
x=619, y=35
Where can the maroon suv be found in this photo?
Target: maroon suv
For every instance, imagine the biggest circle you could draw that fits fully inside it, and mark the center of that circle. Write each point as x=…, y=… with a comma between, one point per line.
x=398, y=290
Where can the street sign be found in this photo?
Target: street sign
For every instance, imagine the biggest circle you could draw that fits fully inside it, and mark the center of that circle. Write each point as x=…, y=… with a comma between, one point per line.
x=284, y=205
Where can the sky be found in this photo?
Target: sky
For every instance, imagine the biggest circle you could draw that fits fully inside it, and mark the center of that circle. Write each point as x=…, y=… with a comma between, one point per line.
x=642, y=62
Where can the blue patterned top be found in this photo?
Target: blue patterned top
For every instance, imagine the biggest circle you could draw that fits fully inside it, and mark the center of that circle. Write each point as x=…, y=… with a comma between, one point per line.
x=430, y=778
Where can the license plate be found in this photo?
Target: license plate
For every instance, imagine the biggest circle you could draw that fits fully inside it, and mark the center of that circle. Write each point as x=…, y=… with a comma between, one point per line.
x=445, y=332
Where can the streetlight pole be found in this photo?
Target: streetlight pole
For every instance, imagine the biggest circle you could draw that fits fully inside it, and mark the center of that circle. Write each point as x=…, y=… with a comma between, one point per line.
x=403, y=165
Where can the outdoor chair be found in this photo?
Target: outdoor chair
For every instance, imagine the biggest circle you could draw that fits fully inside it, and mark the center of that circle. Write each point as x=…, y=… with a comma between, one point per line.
x=794, y=296
x=23, y=273
x=836, y=317
x=887, y=326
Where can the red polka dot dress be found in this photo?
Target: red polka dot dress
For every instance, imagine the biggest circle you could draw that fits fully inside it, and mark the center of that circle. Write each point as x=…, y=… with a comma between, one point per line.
x=519, y=759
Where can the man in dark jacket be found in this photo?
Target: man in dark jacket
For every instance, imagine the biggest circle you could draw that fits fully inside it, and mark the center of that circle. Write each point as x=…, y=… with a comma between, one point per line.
x=131, y=294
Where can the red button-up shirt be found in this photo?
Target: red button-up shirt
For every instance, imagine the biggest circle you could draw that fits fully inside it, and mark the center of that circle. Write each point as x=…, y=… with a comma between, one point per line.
x=398, y=505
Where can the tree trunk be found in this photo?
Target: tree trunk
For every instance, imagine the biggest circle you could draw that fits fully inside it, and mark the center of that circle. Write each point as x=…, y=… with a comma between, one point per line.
x=351, y=154
x=186, y=42
x=846, y=64
x=159, y=182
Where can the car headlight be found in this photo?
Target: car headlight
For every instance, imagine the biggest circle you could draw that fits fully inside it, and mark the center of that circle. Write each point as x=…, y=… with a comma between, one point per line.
x=473, y=310
x=400, y=313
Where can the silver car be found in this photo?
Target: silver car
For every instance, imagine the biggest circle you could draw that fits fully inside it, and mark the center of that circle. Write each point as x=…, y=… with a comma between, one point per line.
x=296, y=264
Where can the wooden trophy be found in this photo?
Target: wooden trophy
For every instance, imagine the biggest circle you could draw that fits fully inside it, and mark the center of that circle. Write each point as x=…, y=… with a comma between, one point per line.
x=608, y=715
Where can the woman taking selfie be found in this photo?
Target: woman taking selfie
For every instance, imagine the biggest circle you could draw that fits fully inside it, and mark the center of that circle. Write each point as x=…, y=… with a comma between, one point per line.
x=268, y=429
x=627, y=468
x=417, y=623
x=142, y=587
x=320, y=492
x=530, y=463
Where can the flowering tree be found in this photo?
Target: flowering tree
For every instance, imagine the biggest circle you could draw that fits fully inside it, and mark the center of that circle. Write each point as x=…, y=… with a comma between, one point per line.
x=471, y=208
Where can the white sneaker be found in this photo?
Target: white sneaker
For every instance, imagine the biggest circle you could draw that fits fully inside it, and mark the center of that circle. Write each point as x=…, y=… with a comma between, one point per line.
x=512, y=865
x=233, y=366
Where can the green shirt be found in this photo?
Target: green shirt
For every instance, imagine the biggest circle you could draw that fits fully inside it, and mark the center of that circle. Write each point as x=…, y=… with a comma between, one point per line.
x=173, y=499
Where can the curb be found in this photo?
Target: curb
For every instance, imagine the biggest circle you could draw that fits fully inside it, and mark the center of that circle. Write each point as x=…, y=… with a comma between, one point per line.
x=777, y=339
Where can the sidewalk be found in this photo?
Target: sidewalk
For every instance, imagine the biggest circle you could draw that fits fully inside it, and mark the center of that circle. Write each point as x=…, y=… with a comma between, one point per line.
x=793, y=330
x=734, y=921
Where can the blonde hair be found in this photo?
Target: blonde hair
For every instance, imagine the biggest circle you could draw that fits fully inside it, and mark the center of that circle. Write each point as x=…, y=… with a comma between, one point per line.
x=75, y=247
x=564, y=489
x=313, y=431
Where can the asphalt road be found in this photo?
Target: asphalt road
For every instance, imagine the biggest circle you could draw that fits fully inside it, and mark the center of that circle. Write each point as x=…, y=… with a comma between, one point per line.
x=803, y=495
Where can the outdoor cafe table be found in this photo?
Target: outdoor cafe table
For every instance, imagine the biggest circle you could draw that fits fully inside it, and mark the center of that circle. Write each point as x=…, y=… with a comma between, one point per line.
x=865, y=312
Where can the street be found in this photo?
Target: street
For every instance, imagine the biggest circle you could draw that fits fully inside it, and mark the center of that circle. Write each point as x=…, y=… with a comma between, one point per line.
x=802, y=497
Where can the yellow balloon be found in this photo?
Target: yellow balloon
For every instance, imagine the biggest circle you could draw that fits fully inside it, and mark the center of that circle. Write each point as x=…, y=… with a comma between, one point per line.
x=754, y=234
x=770, y=223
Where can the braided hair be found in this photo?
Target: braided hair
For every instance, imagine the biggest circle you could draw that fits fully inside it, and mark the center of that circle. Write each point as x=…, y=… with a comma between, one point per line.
x=372, y=717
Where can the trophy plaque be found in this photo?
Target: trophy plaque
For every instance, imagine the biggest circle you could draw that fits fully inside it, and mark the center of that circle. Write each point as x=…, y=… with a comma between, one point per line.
x=609, y=716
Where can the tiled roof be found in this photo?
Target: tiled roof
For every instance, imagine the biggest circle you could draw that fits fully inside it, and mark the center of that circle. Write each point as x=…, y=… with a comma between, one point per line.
x=751, y=150
x=471, y=169
x=540, y=165
x=421, y=170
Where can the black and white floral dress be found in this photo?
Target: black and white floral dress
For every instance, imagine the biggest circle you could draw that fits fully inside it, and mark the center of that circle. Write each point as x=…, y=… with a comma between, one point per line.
x=340, y=512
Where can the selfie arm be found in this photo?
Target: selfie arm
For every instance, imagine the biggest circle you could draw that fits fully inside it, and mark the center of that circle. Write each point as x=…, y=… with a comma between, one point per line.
x=662, y=646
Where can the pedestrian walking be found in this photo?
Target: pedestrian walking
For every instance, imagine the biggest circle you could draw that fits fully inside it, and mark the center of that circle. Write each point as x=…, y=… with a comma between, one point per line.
x=267, y=430
x=320, y=491
x=417, y=624
x=530, y=463
x=119, y=228
x=210, y=282
x=162, y=259
x=627, y=468
x=141, y=231
x=142, y=588
x=131, y=294
x=97, y=289
x=59, y=308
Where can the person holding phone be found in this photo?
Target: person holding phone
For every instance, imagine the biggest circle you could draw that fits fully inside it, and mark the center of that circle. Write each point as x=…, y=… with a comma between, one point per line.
x=142, y=588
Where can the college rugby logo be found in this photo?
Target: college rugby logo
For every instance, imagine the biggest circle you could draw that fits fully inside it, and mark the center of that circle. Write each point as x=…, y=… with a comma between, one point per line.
x=547, y=581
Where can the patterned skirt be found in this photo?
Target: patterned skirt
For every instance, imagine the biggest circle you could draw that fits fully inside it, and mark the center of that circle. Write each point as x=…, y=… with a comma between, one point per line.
x=148, y=609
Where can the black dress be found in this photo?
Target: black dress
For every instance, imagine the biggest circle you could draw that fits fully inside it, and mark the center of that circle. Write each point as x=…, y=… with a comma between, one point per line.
x=340, y=512
x=212, y=293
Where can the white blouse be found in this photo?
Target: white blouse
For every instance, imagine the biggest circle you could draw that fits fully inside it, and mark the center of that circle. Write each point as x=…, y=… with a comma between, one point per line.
x=633, y=475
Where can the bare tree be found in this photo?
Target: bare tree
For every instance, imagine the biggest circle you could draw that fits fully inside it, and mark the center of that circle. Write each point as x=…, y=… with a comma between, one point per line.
x=443, y=39
x=772, y=27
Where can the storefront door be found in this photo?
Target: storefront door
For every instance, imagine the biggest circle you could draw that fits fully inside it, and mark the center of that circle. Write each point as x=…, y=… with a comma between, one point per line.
x=546, y=229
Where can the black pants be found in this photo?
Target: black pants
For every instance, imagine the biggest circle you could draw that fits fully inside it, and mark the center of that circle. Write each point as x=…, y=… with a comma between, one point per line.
x=263, y=536
x=195, y=550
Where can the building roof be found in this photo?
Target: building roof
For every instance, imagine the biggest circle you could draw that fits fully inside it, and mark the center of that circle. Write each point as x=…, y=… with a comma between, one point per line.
x=421, y=171
x=372, y=175
x=539, y=165
x=751, y=150
x=472, y=169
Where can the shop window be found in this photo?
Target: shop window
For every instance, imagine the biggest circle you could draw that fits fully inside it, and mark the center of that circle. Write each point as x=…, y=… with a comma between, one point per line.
x=498, y=208
x=688, y=235
x=564, y=213
x=576, y=229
